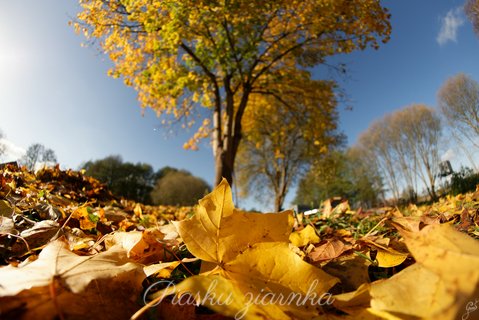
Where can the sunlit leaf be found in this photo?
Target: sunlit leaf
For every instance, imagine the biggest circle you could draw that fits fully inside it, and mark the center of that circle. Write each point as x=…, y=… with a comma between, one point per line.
x=306, y=236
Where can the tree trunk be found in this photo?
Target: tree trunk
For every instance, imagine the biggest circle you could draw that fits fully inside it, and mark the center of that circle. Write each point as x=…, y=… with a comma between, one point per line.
x=280, y=189
x=226, y=144
x=224, y=166
x=278, y=202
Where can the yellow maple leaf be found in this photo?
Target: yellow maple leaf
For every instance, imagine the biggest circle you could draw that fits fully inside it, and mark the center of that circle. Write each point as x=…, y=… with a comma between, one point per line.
x=306, y=236
x=252, y=260
x=218, y=232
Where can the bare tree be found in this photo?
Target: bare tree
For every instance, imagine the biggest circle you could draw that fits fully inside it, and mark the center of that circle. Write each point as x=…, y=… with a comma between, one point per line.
x=422, y=128
x=405, y=147
x=375, y=142
x=37, y=153
x=459, y=103
x=472, y=11
x=407, y=161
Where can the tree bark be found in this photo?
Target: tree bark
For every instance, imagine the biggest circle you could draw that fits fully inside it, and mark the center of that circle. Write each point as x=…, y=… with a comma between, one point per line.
x=278, y=202
x=225, y=145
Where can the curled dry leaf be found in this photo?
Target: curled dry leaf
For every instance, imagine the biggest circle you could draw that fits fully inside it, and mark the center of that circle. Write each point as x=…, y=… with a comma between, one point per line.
x=145, y=246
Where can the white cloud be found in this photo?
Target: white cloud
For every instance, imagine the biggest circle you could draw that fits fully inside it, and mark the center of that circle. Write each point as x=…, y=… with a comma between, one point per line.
x=449, y=26
x=12, y=151
x=449, y=155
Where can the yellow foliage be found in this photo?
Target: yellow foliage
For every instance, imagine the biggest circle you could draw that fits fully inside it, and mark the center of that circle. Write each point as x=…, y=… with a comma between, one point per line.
x=179, y=54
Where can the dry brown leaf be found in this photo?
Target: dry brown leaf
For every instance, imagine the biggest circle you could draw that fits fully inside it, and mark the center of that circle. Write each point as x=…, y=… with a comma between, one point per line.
x=330, y=250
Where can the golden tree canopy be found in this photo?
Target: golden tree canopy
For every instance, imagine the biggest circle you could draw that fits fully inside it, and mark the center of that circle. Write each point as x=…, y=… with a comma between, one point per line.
x=180, y=55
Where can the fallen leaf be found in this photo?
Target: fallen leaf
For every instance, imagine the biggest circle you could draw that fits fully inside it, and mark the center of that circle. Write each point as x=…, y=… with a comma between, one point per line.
x=6, y=210
x=304, y=237
x=218, y=232
x=162, y=270
x=137, y=211
x=387, y=259
x=452, y=255
x=57, y=262
x=407, y=223
x=440, y=285
x=86, y=218
x=145, y=246
x=6, y=226
x=275, y=266
x=352, y=270
x=402, y=296
x=330, y=250
x=222, y=296
x=41, y=232
x=253, y=259
x=355, y=302
x=52, y=285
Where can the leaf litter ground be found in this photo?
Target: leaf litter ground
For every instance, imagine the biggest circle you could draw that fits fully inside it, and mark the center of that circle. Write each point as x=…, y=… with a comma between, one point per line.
x=70, y=249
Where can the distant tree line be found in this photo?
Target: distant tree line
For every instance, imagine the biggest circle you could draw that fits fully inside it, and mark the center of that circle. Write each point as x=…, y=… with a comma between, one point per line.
x=139, y=182
x=400, y=153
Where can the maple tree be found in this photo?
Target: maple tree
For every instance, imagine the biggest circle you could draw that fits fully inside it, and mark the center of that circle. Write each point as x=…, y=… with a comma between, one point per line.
x=190, y=59
x=280, y=143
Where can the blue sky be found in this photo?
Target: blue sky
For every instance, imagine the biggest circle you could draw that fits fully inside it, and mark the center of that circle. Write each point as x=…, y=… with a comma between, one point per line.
x=55, y=92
